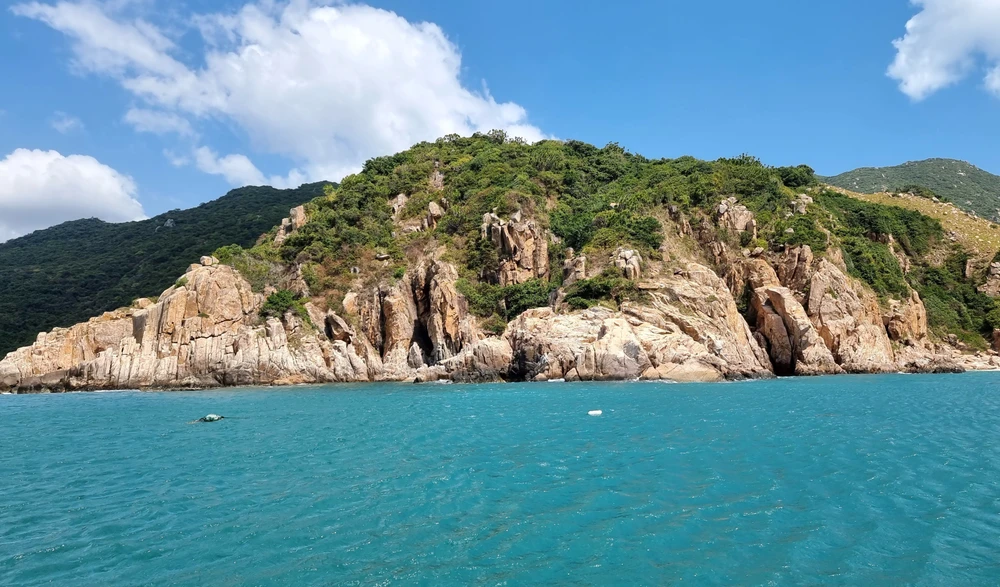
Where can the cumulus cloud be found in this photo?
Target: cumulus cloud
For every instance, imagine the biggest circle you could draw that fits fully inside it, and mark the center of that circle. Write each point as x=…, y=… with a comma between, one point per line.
x=942, y=45
x=65, y=123
x=42, y=188
x=325, y=86
x=237, y=169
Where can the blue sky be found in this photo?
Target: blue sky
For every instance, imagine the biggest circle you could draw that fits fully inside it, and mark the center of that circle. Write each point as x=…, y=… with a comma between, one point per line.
x=125, y=108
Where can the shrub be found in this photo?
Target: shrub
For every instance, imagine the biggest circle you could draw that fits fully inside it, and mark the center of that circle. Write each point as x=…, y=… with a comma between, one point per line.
x=610, y=286
x=280, y=302
x=507, y=302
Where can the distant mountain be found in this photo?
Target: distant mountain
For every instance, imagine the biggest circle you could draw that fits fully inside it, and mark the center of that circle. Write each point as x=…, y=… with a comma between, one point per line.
x=961, y=183
x=67, y=273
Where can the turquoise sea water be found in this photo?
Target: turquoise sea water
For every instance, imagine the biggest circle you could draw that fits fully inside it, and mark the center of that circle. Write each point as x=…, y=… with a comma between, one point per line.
x=868, y=480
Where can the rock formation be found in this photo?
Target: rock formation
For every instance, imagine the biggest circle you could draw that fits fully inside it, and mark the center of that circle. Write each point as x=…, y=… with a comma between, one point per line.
x=736, y=218
x=687, y=330
x=206, y=332
x=848, y=318
x=794, y=345
x=522, y=245
x=574, y=268
x=629, y=262
x=296, y=220
x=807, y=317
x=906, y=321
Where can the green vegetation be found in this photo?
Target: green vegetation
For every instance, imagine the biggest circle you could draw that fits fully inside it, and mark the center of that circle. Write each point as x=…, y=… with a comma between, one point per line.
x=967, y=186
x=280, y=302
x=954, y=306
x=499, y=304
x=65, y=274
x=609, y=286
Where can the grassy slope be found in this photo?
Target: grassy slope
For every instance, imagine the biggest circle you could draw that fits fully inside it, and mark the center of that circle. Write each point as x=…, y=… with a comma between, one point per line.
x=67, y=273
x=969, y=187
x=976, y=235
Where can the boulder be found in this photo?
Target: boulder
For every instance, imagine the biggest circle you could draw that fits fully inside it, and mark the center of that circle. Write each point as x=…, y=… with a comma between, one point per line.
x=574, y=268
x=801, y=203
x=296, y=220
x=434, y=213
x=398, y=204
x=629, y=262
x=906, y=321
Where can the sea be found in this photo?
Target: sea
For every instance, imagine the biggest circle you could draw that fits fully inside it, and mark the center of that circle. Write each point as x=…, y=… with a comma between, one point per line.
x=850, y=480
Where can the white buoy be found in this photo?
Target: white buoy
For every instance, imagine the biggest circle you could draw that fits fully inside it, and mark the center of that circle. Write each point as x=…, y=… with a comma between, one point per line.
x=594, y=413
x=212, y=418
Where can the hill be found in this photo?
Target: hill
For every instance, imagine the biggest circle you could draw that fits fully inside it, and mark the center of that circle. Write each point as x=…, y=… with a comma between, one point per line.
x=962, y=183
x=597, y=200
x=485, y=257
x=69, y=272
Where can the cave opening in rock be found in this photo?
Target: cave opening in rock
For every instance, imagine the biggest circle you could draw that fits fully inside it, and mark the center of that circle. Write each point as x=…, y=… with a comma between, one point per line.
x=423, y=340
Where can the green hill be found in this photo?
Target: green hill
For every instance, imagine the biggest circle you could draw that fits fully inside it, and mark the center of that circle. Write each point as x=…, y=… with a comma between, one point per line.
x=67, y=273
x=961, y=183
x=594, y=200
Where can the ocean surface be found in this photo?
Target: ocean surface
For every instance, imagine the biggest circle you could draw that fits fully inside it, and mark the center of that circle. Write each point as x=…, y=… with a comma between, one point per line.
x=859, y=480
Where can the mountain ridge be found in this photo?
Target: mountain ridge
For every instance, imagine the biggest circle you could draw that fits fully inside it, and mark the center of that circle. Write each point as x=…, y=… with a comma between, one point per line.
x=967, y=186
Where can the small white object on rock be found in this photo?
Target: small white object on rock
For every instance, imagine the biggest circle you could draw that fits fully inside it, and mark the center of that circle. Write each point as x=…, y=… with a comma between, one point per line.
x=594, y=413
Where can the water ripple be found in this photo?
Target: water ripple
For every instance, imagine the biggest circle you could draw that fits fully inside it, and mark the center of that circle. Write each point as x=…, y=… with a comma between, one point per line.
x=843, y=481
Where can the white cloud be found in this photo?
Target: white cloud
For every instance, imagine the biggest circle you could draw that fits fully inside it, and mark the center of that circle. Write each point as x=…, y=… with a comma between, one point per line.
x=325, y=86
x=42, y=188
x=65, y=123
x=942, y=45
x=237, y=169
x=158, y=122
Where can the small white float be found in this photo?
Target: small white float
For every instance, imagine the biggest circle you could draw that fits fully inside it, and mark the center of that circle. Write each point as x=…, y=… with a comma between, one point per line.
x=594, y=413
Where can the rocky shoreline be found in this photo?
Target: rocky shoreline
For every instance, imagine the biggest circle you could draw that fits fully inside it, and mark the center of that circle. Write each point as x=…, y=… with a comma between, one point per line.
x=806, y=318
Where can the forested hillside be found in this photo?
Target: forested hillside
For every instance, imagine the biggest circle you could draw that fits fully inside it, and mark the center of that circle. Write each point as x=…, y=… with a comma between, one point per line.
x=70, y=272
x=961, y=183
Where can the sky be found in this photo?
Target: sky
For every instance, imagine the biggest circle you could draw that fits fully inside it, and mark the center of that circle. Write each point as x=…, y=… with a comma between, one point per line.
x=124, y=109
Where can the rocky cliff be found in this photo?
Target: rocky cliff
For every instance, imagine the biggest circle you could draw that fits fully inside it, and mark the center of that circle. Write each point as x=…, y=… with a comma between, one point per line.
x=207, y=331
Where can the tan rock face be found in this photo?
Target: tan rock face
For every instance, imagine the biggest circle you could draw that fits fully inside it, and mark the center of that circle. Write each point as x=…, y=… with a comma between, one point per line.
x=434, y=213
x=736, y=218
x=629, y=262
x=795, y=271
x=574, y=268
x=205, y=333
x=687, y=329
x=523, y=247
x=848, y=318
x=794, y=345
x=754, y=273
x=296, y=220
x=422, y=310
x=906, y=321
